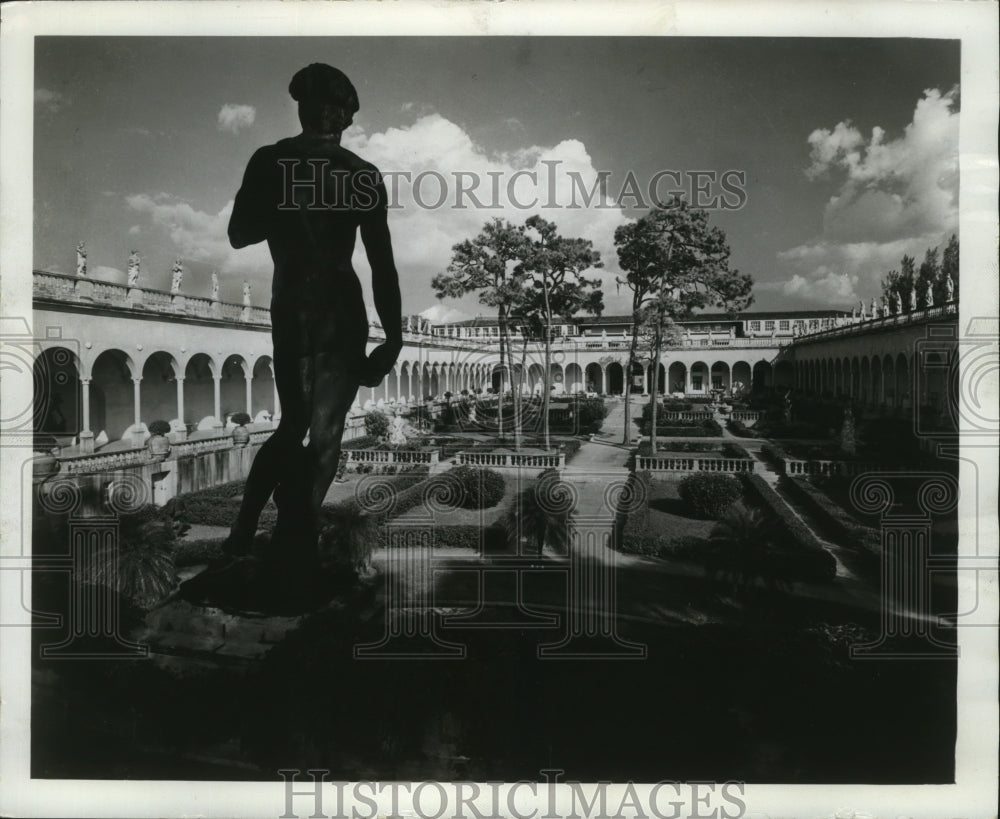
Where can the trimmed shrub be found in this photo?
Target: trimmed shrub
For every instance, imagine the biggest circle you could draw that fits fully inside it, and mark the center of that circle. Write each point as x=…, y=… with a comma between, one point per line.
x=740, y=429
x=240, y=418
x=708, y=495
x=377, y=424
x=159, y=427
x=482, y=488
x=734, y=451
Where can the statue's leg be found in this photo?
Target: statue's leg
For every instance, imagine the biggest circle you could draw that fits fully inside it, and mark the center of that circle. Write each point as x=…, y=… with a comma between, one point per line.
x=334, y=387
x=280, y=455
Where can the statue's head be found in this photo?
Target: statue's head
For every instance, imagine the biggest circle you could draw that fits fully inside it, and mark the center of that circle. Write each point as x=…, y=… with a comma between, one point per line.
x=327, y=99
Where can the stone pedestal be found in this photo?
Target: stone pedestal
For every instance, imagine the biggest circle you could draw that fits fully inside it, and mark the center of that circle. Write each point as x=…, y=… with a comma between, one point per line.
x=178, y=302
x=85, y=289
x=87, y=441
x=134, y=296
x=216, y=309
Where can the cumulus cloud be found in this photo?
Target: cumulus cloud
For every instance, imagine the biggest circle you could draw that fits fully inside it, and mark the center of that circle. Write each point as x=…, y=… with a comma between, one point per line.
x=444, y=163
x=49, y=100
x=234, y=118
x=135, y=230
x=438, y=155
x=438, y=313
x=202, y=237
x=894, y=196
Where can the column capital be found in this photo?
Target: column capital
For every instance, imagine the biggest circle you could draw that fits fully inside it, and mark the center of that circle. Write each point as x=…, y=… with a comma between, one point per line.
x=136, y=379
x=85, y=380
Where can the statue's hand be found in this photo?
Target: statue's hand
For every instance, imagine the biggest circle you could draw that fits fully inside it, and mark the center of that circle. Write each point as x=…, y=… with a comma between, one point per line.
x=379, y=363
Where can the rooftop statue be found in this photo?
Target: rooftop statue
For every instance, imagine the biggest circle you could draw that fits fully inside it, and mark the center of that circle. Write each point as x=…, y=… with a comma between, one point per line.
x=133, y=268
x=81, y=259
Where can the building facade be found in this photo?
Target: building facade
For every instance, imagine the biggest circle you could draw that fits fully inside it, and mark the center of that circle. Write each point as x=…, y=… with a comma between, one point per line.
x=112, y=358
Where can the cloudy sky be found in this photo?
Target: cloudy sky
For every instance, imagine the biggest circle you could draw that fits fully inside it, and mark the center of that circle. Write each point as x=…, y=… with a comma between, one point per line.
x=848, y=147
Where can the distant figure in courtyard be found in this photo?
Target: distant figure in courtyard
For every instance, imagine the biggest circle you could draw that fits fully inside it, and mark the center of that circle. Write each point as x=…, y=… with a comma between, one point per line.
x=307, y=197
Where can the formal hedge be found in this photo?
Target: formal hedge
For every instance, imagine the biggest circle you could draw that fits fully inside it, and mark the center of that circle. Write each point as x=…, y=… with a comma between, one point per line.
x=707, y=495
x=845, y=528
x=734, y=451
x=686, y=429
x=805, y=555
x=740, y=429
x=482, y=488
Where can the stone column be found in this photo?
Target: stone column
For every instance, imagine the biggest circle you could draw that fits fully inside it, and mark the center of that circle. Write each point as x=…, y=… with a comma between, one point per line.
x=399, y=377
x=217, y=384
x=248, y=380
x=604, y=380
x=687, y=379
x=137, y=406
x=86, y=434
x=180, y=398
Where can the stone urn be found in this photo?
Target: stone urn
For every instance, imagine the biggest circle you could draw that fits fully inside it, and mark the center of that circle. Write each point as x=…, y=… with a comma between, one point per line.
x=241, y=435
x=158, y=443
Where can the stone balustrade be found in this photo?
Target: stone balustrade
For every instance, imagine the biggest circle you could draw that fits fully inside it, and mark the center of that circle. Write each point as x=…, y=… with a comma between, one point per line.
x=666, y=463
x=512, y=460
x=428, y=457
x=684, y=415
x=105, y=461
x=748, y=417
x=841, y=468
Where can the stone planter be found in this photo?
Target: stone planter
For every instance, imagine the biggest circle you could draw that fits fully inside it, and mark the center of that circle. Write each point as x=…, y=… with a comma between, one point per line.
x=241, y=435
x=159, y=446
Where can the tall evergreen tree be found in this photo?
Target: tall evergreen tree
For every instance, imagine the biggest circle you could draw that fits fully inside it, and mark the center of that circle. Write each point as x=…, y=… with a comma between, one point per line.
x=555, y=287
x=490, y=265
x=672, y=258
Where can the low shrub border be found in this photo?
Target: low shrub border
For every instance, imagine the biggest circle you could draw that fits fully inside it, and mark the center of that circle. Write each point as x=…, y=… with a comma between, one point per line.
x=812, y=561
x=739, y=428
x=854, y=535
x=707, y=495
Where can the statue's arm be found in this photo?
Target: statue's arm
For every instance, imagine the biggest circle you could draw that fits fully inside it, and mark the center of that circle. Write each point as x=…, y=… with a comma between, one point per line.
x=385, y=279
x=252, y=207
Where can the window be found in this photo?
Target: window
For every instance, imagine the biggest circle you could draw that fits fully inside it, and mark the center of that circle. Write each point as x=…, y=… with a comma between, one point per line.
x=755, y=325
x=784, y=324
x=696, y=383
x=704, y=342
x=768, y=325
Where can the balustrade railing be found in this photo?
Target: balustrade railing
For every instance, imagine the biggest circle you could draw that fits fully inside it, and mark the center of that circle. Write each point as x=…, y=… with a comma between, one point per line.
x=553, y=460
x=684, y=415
x=389, y=456
x=104, y=461
x=745, y=416
x=659, y=463
x=830, y=468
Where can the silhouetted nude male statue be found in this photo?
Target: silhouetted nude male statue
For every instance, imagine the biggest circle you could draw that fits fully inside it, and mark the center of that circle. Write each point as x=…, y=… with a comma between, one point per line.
x=307, y=196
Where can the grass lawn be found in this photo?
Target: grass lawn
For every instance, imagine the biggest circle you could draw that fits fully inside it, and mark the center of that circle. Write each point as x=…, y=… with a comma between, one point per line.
x=666, y=513
x=514, y=483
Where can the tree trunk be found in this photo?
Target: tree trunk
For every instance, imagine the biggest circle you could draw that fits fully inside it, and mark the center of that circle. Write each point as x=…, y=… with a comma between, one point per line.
x=627, y=438
x=655, y=393
x=547, y=389
x=503, y=339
